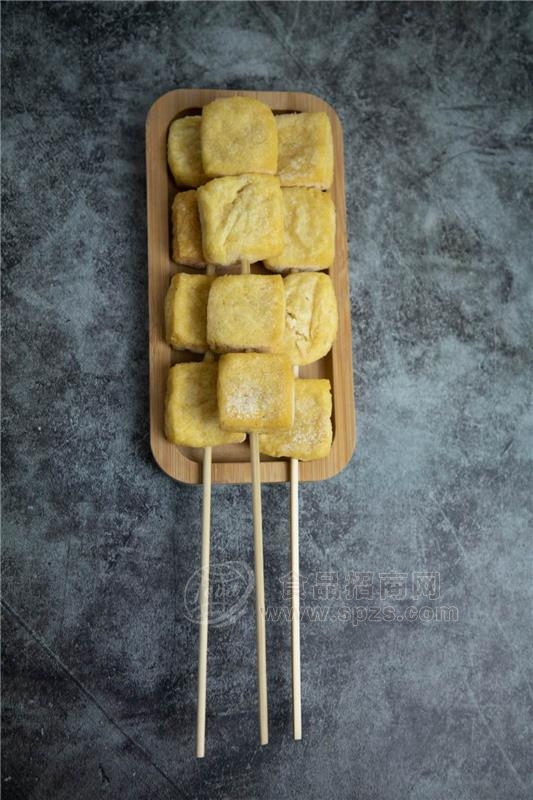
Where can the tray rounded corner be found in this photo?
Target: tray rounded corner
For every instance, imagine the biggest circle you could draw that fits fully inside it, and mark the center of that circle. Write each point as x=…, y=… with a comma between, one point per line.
x=338, y=468
x=185, y=477
x=326, y=106
x=161, y=100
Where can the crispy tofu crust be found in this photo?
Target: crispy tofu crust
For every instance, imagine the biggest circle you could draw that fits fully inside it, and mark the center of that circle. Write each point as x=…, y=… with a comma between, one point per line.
x=255, y=392
x=191, y=414
x=246, y=312
x=311, y=435
x=238, y=135
x=241, y=218
x=309, y=231
x=184, y=151
x=187, y=231
x=186, y=312
x=311, y=316
x=305, y=149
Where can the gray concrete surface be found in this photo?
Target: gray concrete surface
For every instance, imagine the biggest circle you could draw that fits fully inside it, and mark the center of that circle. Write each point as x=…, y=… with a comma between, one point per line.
x=98, y=544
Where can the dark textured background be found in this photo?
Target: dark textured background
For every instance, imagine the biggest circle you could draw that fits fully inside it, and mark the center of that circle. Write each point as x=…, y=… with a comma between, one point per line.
x=99, y=659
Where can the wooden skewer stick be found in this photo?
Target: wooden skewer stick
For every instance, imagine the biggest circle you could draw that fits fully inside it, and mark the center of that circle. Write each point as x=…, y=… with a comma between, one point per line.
x=259, y=575
x=295, y=599
x=259, y=589
x=204, y=587
x=204, y=604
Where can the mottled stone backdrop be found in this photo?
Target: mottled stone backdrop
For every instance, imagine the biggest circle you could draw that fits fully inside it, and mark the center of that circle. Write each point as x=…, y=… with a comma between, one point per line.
x=99, y=657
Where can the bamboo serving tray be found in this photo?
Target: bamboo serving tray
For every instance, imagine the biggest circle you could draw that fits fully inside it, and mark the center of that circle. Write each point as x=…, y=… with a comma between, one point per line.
x=231, y=463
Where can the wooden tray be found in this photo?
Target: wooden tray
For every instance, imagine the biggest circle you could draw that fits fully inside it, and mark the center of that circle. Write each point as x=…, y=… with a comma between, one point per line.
x=231, y=462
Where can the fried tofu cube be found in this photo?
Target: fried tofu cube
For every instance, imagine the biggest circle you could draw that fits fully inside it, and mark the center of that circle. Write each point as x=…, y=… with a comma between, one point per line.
x=305, y=149
x=239, y=135
x=309, y=231
x=255, y=392
x=311, y=435
x=186, y=231
x=241, y=218
x=186, y=312
x=191, y=413
x=311, y=316
x=246, y=312
x=184, y=151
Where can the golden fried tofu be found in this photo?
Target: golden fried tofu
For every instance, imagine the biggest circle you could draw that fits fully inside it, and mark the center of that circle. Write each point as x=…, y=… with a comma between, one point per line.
x=191, y=414
x=241, y=218
x=255, y=392
x=246, y=312
x=309, y=231
x=239, y=135
x=311, y=316
x=186, y=230
x=311, y=435
x=184, y=151
x=305, y=149
x=186, y=312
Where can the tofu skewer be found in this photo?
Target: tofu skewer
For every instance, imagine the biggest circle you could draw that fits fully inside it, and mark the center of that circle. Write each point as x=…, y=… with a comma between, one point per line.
x=259, y=574
x=241, y=216
x=204, y=586
x=192, y=420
